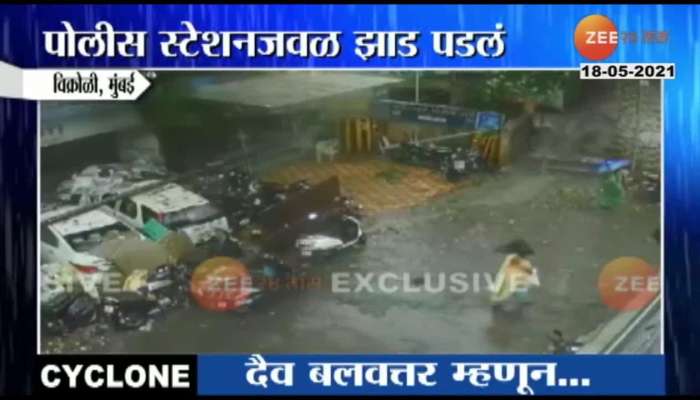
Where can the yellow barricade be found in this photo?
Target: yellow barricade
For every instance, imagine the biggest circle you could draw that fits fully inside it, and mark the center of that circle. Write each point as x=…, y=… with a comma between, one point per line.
x=358, y=135
x=489, y=147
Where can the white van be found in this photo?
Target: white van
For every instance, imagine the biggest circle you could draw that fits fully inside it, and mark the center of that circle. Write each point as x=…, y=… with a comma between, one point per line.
x=174, y=207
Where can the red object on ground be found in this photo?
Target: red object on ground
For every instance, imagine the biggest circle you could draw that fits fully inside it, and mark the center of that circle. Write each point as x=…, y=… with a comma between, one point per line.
x=221, y=284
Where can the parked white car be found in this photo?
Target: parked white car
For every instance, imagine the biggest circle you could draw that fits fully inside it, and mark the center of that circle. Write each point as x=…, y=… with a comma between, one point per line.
x=70, y=240
x=174, y=207
x=56, y=279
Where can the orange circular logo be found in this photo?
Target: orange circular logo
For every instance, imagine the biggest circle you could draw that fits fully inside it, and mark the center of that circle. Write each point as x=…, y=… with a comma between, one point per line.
x=221, y=284
x=628, y=283
x=596, y=37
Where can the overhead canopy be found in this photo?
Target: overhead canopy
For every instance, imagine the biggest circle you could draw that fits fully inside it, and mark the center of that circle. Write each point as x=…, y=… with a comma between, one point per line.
x=65, y=122
x=285, y=89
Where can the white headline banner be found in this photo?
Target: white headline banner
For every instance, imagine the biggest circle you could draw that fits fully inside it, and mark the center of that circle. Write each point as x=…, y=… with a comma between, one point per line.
x=72, y=84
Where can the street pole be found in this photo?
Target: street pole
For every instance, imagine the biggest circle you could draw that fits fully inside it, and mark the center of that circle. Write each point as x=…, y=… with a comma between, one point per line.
x=417, y=87
x=243, y=138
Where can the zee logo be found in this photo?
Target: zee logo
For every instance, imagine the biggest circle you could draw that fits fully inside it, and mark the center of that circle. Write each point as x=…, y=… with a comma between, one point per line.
x=601, y=37
x=596, y=37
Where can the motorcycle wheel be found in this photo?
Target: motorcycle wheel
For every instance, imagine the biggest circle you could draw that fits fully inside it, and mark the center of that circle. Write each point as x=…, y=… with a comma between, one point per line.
x=452, y=175
x=129, y=320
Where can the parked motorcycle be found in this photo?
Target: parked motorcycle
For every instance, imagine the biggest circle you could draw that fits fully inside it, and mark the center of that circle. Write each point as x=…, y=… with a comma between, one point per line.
x=454, y=164
x=559, y=344
x=426, y=156
x=460, y=163
x=244, y=204
x=68, y=311
x=149, y=295
x=129, y=310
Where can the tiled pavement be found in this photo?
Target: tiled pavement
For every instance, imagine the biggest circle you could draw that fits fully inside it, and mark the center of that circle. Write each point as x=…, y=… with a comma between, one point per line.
x=360, y=180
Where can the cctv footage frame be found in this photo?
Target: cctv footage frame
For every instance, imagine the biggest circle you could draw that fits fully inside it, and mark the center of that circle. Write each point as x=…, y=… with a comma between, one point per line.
x=186, y=71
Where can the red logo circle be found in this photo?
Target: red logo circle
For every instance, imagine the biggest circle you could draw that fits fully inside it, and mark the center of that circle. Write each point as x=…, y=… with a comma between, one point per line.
x=596, y=37
x=221, y=284
x=628, y=283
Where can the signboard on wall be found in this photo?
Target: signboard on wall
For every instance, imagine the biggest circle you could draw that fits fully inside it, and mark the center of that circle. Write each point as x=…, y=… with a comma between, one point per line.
x=489, y=121
x=437, y=114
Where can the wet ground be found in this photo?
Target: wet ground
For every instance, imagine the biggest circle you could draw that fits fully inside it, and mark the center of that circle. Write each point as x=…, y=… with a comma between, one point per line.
x=556, y=214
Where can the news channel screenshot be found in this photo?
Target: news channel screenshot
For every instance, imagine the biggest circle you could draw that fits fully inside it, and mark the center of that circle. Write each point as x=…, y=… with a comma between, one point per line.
x=349, y=199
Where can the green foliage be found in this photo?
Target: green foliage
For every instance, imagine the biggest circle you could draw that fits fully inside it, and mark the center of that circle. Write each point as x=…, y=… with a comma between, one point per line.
x=508, y=90
x=524, y=85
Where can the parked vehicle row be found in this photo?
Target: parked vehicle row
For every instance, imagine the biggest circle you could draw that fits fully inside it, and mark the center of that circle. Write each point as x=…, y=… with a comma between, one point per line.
x=146, y=232
x=176, y=208
x=98, y=182
x=453, y=163
x=116, y=220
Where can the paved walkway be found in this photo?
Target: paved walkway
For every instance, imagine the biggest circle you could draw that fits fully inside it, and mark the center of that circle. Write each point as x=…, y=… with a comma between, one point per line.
x=378, y=185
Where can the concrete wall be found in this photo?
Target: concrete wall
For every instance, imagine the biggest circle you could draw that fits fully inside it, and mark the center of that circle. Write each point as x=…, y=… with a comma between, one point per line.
x=618, y=118
x=640, y=111
x=63, y=123
x=639, y=124
x=139, y=143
